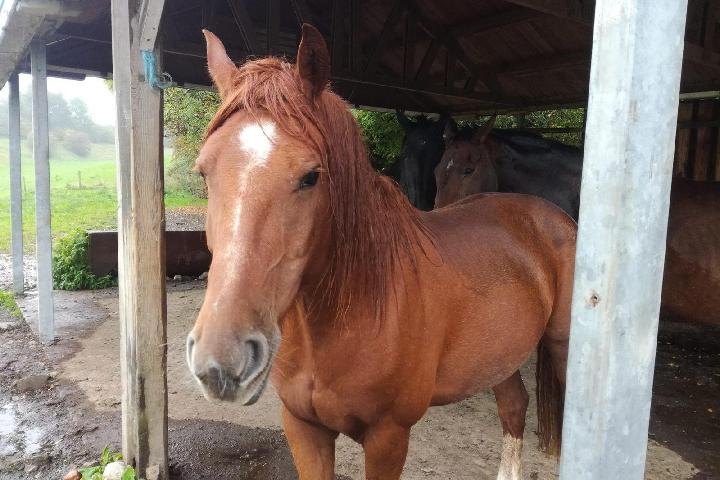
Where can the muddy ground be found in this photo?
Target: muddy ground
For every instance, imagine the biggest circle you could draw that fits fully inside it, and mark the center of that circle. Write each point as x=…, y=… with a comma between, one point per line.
x=70, y=408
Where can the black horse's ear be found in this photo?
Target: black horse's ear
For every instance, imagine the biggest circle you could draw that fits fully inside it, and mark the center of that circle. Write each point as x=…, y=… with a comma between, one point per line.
x=220, y=66
x=443, y=120
x=402, y=119
x=450, y=130
x=313, y=62
x=482, y=133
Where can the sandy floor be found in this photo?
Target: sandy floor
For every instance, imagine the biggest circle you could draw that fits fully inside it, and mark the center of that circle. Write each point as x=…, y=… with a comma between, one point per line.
x=460, y=441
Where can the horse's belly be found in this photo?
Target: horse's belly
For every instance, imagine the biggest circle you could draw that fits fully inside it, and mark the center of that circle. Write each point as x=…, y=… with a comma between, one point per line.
x=487, y=348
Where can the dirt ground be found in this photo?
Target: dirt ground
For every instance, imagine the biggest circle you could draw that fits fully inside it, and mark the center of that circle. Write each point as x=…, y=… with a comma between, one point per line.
x=75, y=411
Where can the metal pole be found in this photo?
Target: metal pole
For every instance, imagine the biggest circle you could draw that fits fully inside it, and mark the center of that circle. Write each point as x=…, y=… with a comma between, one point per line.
x=41, y=156
x=16, y=238
x=629, y=144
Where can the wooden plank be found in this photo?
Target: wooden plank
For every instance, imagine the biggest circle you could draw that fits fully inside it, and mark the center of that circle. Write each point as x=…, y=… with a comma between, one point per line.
x=388, y=27
x=423, y=72
x=273, y=27
x=491, y=23
x=703, y=142
x=149, y=21
x=302, y=12
x=16, y=238
x=41, y=158
x=141, y=252
x=338, y=36
x=682, y=141
x=627, y=167
x=245, y=25
x=409, y=47
x=356, y=50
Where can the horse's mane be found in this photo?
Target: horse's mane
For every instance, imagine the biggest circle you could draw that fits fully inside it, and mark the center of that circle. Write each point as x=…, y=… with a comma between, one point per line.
x=373, y=225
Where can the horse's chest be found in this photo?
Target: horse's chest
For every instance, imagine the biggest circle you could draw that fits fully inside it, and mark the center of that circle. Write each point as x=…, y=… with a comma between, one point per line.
x=307, y=398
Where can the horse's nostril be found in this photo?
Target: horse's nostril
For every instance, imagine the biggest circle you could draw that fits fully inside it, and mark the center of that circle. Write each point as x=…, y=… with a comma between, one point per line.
x=256, y=351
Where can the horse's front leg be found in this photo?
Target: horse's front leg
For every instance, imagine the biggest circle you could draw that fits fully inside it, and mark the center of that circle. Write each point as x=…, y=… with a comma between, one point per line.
x=512, y=402
x=385, y=445
x=312, y=447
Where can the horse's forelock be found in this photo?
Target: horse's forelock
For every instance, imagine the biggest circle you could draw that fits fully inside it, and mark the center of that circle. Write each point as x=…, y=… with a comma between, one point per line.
x=372, y=223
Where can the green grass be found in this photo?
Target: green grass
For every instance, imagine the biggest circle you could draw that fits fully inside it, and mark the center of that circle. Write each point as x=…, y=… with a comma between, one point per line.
x=7, y=302
x=91, y=207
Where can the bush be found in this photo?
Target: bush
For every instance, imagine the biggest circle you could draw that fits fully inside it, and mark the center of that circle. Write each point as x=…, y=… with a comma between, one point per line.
x=187, y=114
x=77, y=143
x=71, y=267
x=383, y=136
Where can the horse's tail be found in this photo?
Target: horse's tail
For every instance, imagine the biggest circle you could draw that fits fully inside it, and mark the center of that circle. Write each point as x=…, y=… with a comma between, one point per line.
x=550, y=402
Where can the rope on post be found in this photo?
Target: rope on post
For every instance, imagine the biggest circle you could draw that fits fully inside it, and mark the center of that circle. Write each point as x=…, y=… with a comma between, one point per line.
x=161, y=80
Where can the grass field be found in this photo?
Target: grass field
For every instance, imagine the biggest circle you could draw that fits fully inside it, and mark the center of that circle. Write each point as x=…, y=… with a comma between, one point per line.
x=87, y=201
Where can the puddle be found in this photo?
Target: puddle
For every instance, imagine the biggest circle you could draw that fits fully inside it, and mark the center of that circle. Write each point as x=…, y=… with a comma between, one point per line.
x=16, y=439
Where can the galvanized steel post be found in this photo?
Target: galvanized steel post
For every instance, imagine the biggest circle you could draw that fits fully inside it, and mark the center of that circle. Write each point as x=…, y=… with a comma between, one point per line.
x=629, y=143
x=41, y=156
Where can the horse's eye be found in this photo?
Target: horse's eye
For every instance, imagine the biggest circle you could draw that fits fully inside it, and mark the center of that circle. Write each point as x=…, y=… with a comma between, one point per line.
x=468, y=171
x=309, y=180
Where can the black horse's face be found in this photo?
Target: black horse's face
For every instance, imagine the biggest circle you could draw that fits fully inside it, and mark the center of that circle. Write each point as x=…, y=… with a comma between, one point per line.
x=421, y=152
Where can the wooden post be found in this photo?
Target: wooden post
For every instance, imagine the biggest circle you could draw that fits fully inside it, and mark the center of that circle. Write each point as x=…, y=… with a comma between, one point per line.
x=41, y=157
x=627, y=170
x=16, y=238
x=141, y=240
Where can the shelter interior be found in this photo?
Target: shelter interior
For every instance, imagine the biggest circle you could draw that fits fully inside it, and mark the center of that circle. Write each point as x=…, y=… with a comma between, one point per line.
x=417, y=55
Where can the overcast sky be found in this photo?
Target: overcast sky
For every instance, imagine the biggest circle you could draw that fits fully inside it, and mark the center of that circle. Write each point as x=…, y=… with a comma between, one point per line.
x=98, y=98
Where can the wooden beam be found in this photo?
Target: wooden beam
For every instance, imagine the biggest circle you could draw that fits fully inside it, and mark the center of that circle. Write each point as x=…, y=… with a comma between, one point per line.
x=16, y=239
x=337, y=35
x=245, y=25
x=423, y=73
x=568, y=9
x=356, y=51
x=409, y=47
x=141, y=252
x=302, y=12
x=149, y=21
x=273, y=27
x=413, y=87
x=582, y=14
x=544, y=64
x=496, y=21
x=41, y=157
x=389, y=25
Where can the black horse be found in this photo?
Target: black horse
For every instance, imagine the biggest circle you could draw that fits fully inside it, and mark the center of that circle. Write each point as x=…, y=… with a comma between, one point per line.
x=421, y=152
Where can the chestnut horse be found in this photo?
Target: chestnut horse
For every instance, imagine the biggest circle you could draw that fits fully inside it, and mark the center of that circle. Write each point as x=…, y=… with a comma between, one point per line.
x=486, y=160
x=366, y=310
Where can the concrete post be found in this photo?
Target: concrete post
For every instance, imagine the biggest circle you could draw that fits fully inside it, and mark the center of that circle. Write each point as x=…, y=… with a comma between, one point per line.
x=16, y=237
x=41, y=156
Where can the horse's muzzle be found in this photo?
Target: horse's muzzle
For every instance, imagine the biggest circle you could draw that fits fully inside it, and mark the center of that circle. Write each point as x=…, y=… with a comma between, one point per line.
x=240, y=375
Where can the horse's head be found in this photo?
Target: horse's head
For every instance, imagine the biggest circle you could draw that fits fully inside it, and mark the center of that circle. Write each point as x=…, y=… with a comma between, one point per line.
x=267, y=208
x=421, y=152
x=467, y=166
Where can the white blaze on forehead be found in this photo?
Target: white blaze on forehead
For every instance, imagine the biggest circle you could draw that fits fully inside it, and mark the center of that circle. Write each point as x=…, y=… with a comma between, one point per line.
x=257, y=140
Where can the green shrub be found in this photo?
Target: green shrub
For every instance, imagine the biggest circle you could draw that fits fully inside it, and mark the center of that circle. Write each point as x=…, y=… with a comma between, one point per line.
x=71, y=268
x=7, y=302
x=383, y=136
x=77, y=143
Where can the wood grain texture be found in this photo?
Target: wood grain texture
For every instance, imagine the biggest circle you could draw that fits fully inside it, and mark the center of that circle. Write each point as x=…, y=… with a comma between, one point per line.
x=141, y=249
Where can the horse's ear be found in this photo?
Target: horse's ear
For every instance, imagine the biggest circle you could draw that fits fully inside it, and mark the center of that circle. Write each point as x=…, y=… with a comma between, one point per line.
x=443, y=119
x=313, y=62
x=220, y=66
x=450, y=130
x=402, y=119
x=481, y=134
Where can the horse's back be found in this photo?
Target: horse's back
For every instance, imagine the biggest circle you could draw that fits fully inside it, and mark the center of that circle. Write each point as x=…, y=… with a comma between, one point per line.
x=692, y=268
